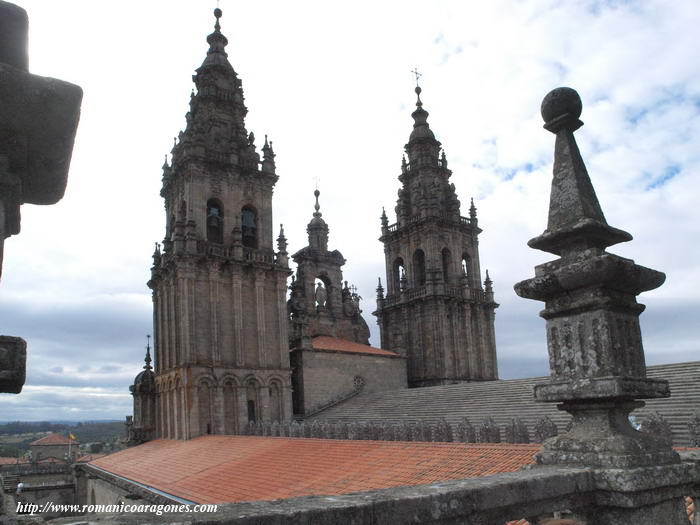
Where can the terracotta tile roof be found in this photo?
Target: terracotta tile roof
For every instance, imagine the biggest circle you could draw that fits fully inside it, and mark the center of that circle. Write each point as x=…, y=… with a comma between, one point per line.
x=335, y=344
x=217, y=469
x=89, y=457
x=11, y=461
x=54, y=439
x=51, y=460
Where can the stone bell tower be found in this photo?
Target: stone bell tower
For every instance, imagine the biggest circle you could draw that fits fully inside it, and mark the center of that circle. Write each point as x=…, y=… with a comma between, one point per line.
x=320, y=304
x=220, y=321
x=436, y=312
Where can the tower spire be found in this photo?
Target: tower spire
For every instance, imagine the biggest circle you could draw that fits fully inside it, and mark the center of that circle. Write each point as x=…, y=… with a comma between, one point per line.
x=216, y=56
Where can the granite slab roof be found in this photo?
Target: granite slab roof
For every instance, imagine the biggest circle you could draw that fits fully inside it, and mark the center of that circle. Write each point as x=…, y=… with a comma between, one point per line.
x=504, y=400
x=218, y=469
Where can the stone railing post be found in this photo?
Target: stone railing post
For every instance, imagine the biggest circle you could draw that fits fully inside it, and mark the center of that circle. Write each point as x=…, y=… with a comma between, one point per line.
x=597, y=367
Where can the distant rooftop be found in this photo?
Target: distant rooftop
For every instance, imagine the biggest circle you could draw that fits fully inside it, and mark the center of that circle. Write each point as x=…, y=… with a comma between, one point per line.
x=218, y=469
x=54, y=439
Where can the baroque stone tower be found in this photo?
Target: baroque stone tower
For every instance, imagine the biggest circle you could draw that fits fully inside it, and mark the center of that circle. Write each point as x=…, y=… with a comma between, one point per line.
x=220, y=321
x=436, y=312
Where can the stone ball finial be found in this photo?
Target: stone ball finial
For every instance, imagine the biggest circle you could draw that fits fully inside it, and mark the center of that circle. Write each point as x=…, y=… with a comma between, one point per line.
x=217, y=13
x=559, y=102
x=418, y=90
x=317, y=193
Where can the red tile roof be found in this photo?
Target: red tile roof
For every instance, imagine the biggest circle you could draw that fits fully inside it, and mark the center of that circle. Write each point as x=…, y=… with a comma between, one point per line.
x=54, y=439
x=335, y=344
x=218, y=469
x=11, y=461
x=51, y=460
x=89, y=457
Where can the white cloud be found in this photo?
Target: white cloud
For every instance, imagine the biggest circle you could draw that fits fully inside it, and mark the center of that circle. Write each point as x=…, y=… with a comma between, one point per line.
x=332, y=87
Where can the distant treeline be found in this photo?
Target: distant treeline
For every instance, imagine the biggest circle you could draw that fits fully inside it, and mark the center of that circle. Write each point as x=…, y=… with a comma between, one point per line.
x=85, y=432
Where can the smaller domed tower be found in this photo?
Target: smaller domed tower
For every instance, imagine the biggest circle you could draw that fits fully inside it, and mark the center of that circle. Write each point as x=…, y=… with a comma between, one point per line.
x=143, y=425
x=320, y=302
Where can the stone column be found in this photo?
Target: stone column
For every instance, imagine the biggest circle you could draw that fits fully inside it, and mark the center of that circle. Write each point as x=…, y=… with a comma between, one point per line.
x=263, y=359
x=236, y=296
x=596, y=358
x=214, y=312
x=264, y=398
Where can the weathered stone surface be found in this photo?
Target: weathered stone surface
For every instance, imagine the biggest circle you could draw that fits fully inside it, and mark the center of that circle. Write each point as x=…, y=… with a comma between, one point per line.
x=694, y=429
x=594, y=342
x=435, y=296
x=38, y=120
x=488, y=432
x=466, y=432
x=655, y=425
x=516, y=432
x=223, y=358
x=13, y=360
x=544, y=428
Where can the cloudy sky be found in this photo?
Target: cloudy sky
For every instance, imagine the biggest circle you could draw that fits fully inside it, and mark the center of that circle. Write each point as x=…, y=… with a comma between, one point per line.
x=331, y=84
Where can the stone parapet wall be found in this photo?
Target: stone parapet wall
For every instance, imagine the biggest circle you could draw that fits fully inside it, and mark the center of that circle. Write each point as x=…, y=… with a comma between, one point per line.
x=532, y=494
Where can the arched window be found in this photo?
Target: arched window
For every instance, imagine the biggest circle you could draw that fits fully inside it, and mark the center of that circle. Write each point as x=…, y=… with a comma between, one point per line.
x=206, y=400
x=230, y=408
x=397, y=271
x=446, y=265
x=418, y=268
x=215, y=221
x=275, y=392
x=249, y=227
x=252, y=401
x=171, y=226
x=467, y=266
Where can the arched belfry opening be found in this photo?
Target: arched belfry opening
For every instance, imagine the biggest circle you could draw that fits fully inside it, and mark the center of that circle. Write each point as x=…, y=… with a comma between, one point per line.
x=249, y=227
x=446, y=265
x=467, y=267
x=397, y=273
x=215, y=221
x=418, y=267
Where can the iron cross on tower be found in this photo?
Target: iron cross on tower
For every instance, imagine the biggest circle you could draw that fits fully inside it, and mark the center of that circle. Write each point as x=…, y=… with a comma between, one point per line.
x=417, y=74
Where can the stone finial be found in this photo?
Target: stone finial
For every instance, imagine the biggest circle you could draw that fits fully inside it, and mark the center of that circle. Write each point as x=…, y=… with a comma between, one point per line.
x=282, y=241
x=380, y=290
x=268, y=163
x=594, y=341
x=216, y=56
x=544, y=429
x=576, y=220
x=488, y=431
x=148, y=360
x=317, y=228
x=694, y=429
x=384, y=219
x=472, y=210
